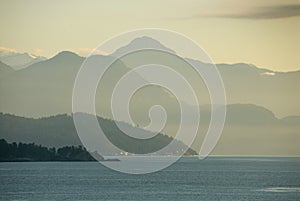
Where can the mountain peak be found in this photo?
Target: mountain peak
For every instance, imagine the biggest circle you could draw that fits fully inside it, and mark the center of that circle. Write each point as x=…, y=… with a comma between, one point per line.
x=145, y=40
x=142, y=42
x=66, y=53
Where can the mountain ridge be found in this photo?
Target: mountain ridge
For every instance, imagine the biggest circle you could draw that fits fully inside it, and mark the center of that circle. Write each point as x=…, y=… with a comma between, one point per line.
x=59, y=130
x=269, y=134
x=23, y=91
x=19, y=60
x=218, y=64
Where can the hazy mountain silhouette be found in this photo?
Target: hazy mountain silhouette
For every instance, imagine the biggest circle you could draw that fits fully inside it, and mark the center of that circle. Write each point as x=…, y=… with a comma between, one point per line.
x=277, y=91
x=249, y=130
x=19, y=60
x=253, y=130
x=5, y=69
x=45, y=88
x=140, y=43
x=58, y=131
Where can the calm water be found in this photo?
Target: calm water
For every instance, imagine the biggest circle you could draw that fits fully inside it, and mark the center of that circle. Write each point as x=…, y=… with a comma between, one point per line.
x=214, y=178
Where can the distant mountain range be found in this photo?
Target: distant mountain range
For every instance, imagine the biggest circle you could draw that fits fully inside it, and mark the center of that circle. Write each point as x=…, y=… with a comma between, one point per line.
x=45, y=88
x=249, y=130
x=19, y=60
x=263, y=111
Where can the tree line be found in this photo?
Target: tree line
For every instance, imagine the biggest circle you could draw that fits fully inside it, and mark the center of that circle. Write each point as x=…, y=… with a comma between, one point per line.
x=33, y=152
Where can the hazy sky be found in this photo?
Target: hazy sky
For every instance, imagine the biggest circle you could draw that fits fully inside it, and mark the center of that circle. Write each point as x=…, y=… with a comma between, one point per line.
x=262, y=32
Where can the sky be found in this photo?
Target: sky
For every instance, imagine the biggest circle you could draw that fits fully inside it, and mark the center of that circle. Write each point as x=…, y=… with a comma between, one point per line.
x=265, y=33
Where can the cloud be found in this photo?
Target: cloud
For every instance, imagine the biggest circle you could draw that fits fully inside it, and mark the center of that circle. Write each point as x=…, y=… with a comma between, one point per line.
x=254, y=12
x=269, y=73
x=270, y=12
x=38, y=51
x=4, y=51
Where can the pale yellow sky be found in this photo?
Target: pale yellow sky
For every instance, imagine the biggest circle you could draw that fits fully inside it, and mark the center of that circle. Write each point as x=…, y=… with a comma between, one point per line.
x=264, y=33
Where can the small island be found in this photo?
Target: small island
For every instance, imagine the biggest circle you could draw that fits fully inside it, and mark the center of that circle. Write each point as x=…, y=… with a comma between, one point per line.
x=30, y=152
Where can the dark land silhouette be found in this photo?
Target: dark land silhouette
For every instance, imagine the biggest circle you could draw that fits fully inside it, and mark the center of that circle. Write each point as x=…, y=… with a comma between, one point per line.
x=32, y=152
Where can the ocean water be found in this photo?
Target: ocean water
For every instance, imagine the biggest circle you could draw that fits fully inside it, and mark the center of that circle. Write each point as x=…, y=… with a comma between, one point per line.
x=212, y=179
